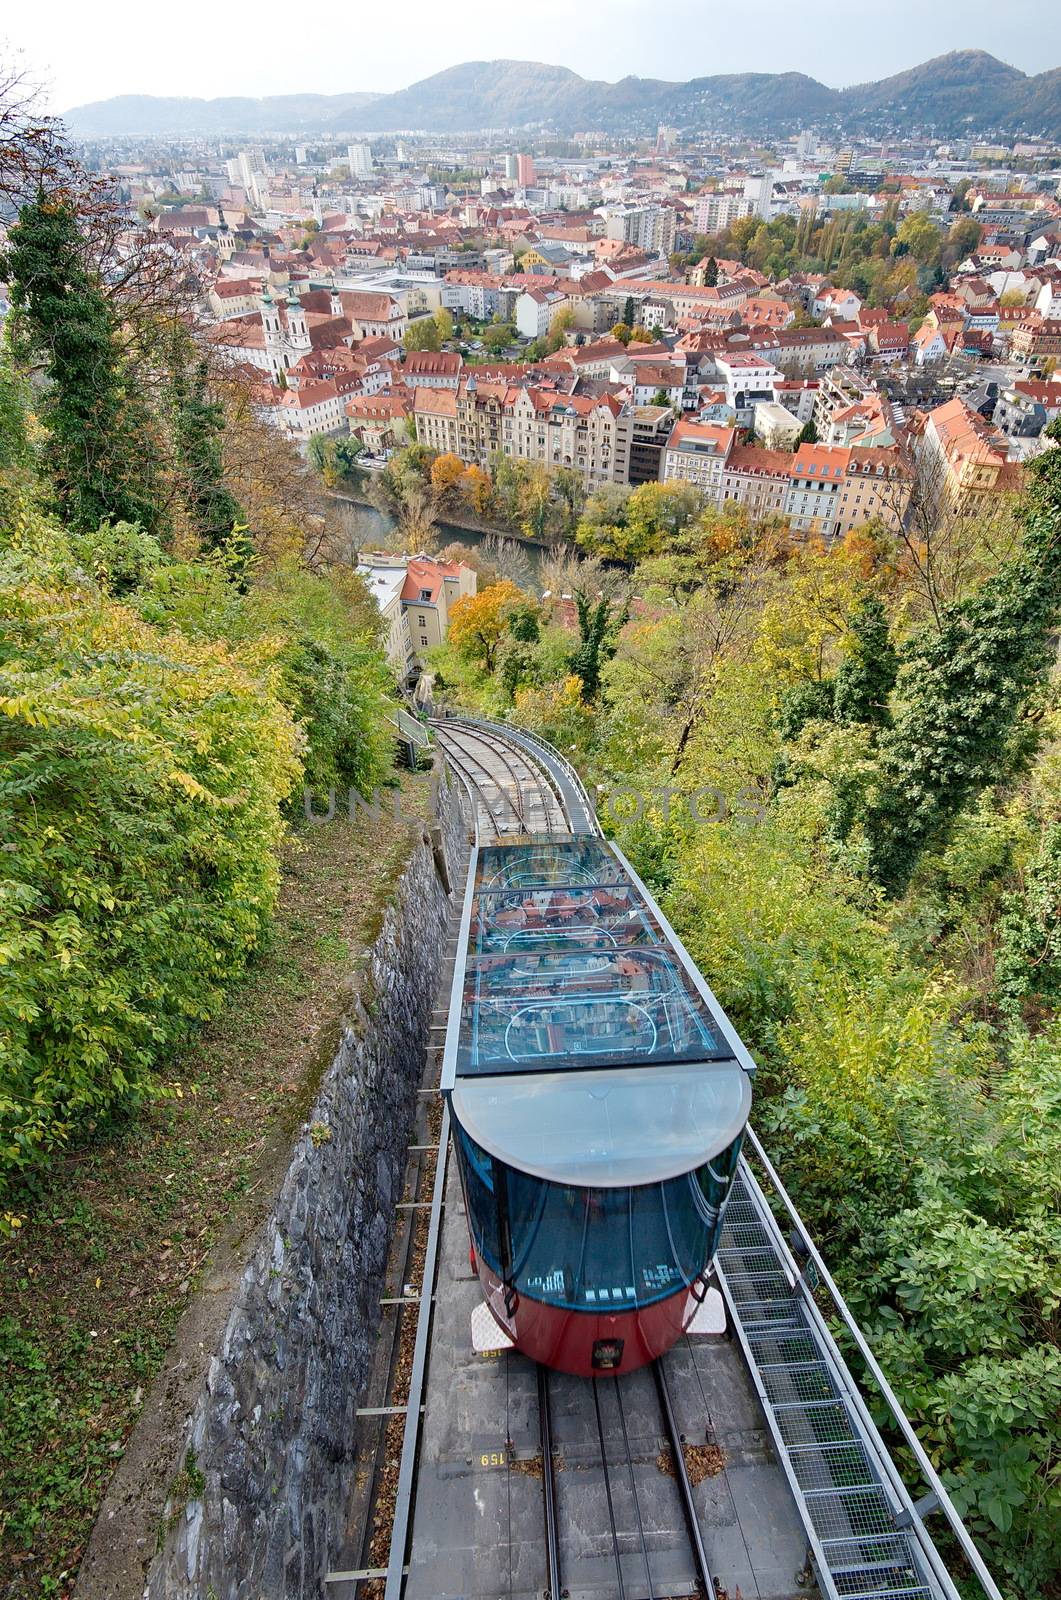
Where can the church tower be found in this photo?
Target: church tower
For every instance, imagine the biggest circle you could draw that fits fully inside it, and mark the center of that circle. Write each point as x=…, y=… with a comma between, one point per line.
x=275, y=343
x=297, y=327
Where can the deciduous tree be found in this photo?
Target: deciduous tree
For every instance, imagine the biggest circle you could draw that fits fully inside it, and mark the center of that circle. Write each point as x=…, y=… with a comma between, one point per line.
x=423, y=334
x=962, y=686
x=446, y=473
x=478, y=622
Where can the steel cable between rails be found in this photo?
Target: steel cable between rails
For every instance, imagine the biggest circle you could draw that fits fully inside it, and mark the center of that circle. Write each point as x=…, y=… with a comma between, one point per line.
x=506, y=751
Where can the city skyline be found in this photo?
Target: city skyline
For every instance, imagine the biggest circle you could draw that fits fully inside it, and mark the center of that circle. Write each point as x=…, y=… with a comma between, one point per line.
x=61, y=48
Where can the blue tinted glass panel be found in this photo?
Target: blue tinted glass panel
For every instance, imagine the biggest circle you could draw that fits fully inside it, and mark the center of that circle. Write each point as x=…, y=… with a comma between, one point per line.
x=477, y=1171
x=598, y=1249
x=567, y=965
x=537, y=865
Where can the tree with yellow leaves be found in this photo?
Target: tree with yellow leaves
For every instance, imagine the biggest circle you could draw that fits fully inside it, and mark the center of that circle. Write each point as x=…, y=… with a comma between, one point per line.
x=477, y=488
x=478, y=622
x=446, y=473
x=802, y=632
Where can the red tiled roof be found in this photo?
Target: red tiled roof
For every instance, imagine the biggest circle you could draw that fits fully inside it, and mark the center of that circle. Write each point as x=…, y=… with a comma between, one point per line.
x=432, y=363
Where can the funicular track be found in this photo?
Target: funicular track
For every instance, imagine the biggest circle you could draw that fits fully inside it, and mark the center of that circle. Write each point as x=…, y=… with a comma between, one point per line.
x=592, y=1481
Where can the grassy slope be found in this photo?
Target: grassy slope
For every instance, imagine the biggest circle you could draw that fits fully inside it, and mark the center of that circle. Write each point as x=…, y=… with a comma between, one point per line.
x=96, y=1279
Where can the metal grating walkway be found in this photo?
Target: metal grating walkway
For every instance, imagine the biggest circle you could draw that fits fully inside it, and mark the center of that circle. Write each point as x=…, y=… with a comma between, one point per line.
x=864, y=1533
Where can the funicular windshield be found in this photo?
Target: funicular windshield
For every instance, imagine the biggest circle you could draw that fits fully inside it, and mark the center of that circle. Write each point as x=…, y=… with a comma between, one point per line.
x=567, y=965
x=586, y=1248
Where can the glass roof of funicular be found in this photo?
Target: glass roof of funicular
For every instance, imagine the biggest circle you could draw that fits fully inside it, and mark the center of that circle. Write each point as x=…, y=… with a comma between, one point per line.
x=567, y=965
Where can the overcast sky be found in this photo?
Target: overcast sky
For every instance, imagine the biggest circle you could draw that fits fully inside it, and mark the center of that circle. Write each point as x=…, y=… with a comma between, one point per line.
x=199, y=47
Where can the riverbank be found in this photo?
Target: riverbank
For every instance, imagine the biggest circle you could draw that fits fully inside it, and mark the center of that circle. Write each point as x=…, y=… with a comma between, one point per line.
x=369, y=528
x=462, y=519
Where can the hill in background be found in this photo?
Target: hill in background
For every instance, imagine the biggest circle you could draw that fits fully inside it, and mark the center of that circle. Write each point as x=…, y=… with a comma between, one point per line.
x=967, y=91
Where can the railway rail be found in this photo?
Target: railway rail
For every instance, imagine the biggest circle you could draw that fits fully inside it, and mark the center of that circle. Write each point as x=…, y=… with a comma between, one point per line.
x=747, y=1463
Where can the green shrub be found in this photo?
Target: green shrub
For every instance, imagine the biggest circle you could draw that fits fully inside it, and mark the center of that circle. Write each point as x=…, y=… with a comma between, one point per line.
x=322, y=632
x=141, y=778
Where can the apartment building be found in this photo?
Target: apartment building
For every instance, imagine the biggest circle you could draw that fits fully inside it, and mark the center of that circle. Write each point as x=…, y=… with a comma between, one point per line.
x=432, y=369
x=962, y=460
x=591, y=434
x=651, y=429
x=475, y=294
x=756, y=479
x=415, y=595
x=747, y=381
x=696, y=453
x=714, y=213
x=834, y=490
x=810, y=350
x=378, y=420
x=318, y=407
x=822, y=491
x=1037, y=339
x=816, y=476
x=647, y=227
x=838, y=388
x=535, y=310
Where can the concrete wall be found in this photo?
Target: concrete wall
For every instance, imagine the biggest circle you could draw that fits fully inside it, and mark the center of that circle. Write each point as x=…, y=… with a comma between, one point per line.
x=262, y=1480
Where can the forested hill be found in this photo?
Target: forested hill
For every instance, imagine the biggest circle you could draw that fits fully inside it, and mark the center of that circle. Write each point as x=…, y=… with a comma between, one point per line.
x=967, y=91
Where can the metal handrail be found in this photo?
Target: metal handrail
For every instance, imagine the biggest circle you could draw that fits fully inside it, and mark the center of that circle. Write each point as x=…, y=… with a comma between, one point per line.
x=931, y=1476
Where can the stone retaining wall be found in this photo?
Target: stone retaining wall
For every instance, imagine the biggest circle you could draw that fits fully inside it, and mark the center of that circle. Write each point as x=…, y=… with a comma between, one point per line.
x=263, y=1480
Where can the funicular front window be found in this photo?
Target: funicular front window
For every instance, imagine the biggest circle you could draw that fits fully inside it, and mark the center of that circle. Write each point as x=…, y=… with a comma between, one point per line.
x=596, y=1249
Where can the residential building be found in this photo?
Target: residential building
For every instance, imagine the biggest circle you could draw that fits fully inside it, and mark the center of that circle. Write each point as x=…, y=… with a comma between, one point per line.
x=775, y=426
x=318, y=407
x=651, y=429
x=535, y=310
x=757, y=479
x=816, y=478
x=1025, y=408
x=1048, y=300
x=714, y=213
x=432, y=369
x=378, y=420
x=806, y=350
x=839, y=388
x=747, y=381
x=797, y=395
x=877, y=485
x=962, y=459
x=651, y=378
x=1036, y=340
x=589, y=433
x=928, y=344
x=415, y=596
x=475, y=294
x=373, y=314
x=234, y=297
x=843, y=304
x=696, y=453
x=646, y=227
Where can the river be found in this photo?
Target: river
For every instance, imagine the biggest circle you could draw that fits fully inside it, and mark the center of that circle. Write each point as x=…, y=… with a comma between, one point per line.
x=370, y=528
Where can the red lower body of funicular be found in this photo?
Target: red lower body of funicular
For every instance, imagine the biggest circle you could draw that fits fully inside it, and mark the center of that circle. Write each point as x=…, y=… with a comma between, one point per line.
x=588, y=1344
